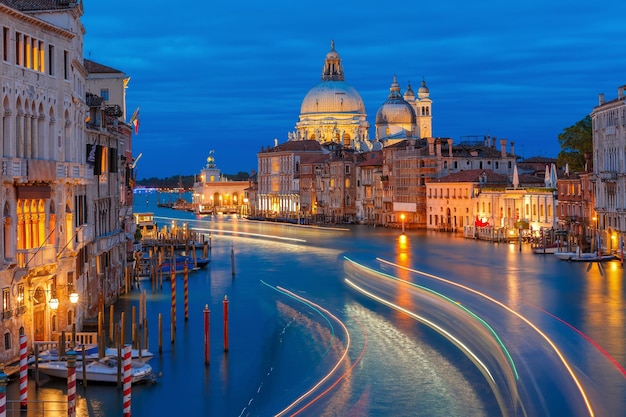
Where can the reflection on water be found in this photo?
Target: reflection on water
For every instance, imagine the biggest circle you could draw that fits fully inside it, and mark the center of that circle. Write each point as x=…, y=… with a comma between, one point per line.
x=404, y=366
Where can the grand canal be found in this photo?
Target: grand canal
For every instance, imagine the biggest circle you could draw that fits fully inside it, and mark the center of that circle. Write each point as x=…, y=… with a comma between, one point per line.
x=356, y=321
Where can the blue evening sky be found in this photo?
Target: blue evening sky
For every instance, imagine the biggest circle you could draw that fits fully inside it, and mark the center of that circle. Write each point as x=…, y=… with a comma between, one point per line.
x=230, y=76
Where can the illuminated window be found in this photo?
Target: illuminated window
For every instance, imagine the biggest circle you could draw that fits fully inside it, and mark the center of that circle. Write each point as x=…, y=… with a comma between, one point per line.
x=6, y=299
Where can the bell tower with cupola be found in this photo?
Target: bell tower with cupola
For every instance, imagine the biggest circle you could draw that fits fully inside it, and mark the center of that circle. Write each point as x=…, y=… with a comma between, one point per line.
x=423, y=110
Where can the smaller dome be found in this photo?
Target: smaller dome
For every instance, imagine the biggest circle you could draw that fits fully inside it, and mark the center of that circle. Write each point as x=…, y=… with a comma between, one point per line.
x=396, y=110
x=332, y=55
x=409, y=94
x=423, y=90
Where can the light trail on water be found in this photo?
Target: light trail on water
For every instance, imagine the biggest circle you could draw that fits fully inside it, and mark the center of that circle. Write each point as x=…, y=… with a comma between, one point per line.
x=556, y=350
x=325, y=313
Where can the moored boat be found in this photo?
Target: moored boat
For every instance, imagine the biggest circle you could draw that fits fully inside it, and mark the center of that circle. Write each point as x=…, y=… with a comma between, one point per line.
x=548, y=249
x=104, y=370
x=181, y=261
x=585, y=256
x=91, y=354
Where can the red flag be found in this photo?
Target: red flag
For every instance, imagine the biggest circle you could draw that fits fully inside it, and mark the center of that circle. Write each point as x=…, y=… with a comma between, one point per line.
x=134, y=120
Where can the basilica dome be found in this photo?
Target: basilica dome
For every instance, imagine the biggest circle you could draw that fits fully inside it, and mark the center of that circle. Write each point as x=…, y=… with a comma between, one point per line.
x=333, y=110
x=396, y=110
x=332, y=97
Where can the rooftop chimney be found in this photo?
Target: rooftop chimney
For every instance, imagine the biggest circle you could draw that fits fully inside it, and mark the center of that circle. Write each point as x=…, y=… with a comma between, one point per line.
x=431, y=146
x=600, y=99
x=503, y=147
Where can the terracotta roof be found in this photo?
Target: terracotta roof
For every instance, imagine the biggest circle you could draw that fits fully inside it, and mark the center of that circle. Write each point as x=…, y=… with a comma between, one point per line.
x=374, y=158
x=34, y=5
x=312, y=158
x=531, y=179
x=296, y=145
x=473, y=175
x=93, y=67
x=462, y=150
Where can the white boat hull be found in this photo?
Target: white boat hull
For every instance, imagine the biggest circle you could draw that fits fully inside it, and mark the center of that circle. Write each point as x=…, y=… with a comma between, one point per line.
x=584, y=257
x=104, y=370
x=91, y=354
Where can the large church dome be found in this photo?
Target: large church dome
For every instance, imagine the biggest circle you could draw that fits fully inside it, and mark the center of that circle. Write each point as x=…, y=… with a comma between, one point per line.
x=396, y=110
x=333, y=110
x=332, y=97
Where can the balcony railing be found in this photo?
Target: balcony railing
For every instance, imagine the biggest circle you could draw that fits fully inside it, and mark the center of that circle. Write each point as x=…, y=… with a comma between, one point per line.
x=608, y=176
x=36, y=257
x=14, y=167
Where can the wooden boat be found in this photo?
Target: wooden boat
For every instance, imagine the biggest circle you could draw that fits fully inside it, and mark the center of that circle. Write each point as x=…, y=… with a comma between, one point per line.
x=91, y=354
x=104, y=370
x=585, y=257
x=566, y=256
x=181, y=261
x=548, y=249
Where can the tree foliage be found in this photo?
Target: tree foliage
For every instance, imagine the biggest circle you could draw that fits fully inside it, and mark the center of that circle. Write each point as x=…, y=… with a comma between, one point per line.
x=576, y=141
x=185, y=181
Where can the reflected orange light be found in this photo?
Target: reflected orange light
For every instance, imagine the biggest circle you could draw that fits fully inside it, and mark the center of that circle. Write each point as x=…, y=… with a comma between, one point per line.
x=555, y=349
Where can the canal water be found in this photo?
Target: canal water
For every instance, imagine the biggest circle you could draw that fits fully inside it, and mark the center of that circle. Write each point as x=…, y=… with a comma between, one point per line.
x=304, y=342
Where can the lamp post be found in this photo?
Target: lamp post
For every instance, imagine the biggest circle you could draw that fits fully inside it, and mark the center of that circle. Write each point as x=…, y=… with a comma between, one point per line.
x=402, y=218
x=594, y=234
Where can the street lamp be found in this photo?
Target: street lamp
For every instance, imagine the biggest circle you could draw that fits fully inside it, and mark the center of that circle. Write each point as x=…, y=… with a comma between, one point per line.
x=402, y=218
x=594, y=236
x=74, y=297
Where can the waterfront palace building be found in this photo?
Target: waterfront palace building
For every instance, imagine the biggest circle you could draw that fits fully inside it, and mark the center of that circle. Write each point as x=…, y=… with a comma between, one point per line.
x=609, y=167
x=330, y=170
x=66, y=193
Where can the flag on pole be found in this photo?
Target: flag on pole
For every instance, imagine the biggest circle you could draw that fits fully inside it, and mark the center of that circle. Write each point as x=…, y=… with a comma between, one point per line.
x=134, y=120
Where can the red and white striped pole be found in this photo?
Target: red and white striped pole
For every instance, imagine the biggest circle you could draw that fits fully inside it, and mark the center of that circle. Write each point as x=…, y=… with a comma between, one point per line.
x=207, y=335
x=173, y=300
x=126, y=365
x=186, y=291
x=4, y=379
x=71, y=383
x=225, y=302
x=23, y=372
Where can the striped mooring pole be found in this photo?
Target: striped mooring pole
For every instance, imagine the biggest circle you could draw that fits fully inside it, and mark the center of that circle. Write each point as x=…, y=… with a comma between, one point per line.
x=127, y=381
x=71, y=383
x=23, y=372
x=4, y=379
x=186, y=291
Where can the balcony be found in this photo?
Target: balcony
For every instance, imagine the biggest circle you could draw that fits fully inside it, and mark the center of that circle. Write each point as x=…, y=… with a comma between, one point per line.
x=14, y=168
x=73, y=172
x=30, y=258
x=609, y=176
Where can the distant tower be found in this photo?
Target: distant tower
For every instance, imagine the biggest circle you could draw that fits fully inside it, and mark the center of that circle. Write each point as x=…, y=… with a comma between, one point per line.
x=423, y=110
x=211, y=173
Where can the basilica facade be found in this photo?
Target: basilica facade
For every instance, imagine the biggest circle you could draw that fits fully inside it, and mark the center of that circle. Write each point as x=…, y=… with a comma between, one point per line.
x=317, y=174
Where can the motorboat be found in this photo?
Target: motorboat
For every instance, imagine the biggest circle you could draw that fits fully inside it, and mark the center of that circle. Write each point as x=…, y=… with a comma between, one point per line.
x=104, y=370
